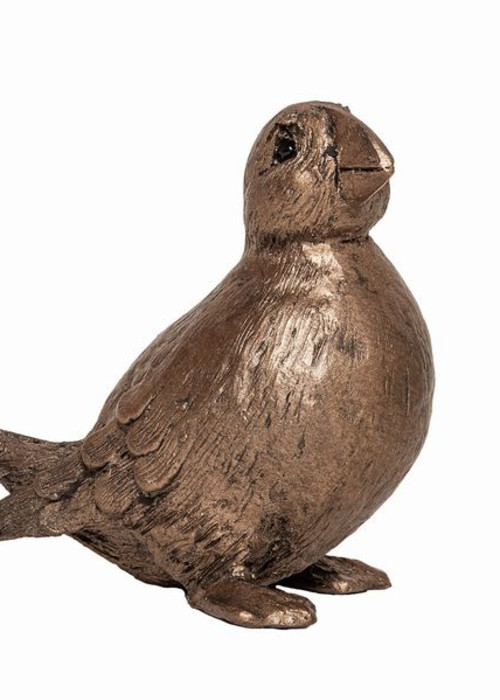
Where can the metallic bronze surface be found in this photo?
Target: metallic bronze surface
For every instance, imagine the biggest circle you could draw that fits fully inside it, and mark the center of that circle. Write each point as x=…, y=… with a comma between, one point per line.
x=267, y=424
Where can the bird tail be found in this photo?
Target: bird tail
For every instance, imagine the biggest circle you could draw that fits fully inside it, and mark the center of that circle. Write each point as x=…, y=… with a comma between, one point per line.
x=34, y=472
x=21, y=457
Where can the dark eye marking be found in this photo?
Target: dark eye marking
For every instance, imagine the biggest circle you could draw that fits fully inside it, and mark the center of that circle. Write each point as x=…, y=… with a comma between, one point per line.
x=285, y=147
x=331, y=151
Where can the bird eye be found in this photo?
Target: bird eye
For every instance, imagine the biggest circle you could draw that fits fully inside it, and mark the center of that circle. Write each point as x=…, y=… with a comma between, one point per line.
x=285, y=148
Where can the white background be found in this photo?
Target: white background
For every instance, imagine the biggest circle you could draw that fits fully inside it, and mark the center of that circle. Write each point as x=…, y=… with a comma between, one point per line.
x=124, y=130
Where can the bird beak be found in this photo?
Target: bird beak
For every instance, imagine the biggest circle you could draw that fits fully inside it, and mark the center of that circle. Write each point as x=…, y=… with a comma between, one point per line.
x=364, y=163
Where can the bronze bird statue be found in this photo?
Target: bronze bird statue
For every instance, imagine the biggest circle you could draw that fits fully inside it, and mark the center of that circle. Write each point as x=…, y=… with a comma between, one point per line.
x=268, y=423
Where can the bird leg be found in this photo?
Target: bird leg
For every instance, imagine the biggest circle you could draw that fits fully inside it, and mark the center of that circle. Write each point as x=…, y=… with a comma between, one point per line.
x=250, y=605
x=338, y=575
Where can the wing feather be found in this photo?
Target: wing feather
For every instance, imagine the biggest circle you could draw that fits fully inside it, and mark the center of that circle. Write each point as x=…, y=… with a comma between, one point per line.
x=103, y=446
x=60, y=478
x=134, y=401
x=115, y=489
x=145, y=434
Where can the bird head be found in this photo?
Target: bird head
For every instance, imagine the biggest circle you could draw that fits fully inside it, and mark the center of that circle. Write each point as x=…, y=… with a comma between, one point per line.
x=315, y=172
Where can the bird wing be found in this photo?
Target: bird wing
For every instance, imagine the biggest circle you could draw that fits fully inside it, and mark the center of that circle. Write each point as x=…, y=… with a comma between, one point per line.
x=146, y=429
x=132, y=451
x=136, y=452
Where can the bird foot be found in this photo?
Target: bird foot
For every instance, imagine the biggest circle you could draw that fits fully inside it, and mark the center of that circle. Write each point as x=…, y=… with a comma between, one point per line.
x=250, y=605
x=338, y=576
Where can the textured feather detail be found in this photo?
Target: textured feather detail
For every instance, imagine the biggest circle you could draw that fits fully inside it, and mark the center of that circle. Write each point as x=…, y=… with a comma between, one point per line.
x=159, y=438
x=71, y=514
x=56, y=480
x=103, y=446
x=115, y=489
x=134, y=401
x=23, y=459
x=19, y=515
x=146, y=433
x=153, y=472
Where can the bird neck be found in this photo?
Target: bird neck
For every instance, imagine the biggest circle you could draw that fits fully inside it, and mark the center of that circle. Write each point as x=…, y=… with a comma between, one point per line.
x=321, y=252
x=306, y=265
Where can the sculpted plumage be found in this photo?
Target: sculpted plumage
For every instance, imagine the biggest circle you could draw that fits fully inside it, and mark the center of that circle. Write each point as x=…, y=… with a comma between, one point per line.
x=262, y=428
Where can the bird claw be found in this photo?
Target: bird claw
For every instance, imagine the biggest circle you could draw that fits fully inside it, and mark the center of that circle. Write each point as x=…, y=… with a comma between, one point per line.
x=250, y=605
x=337, y=575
